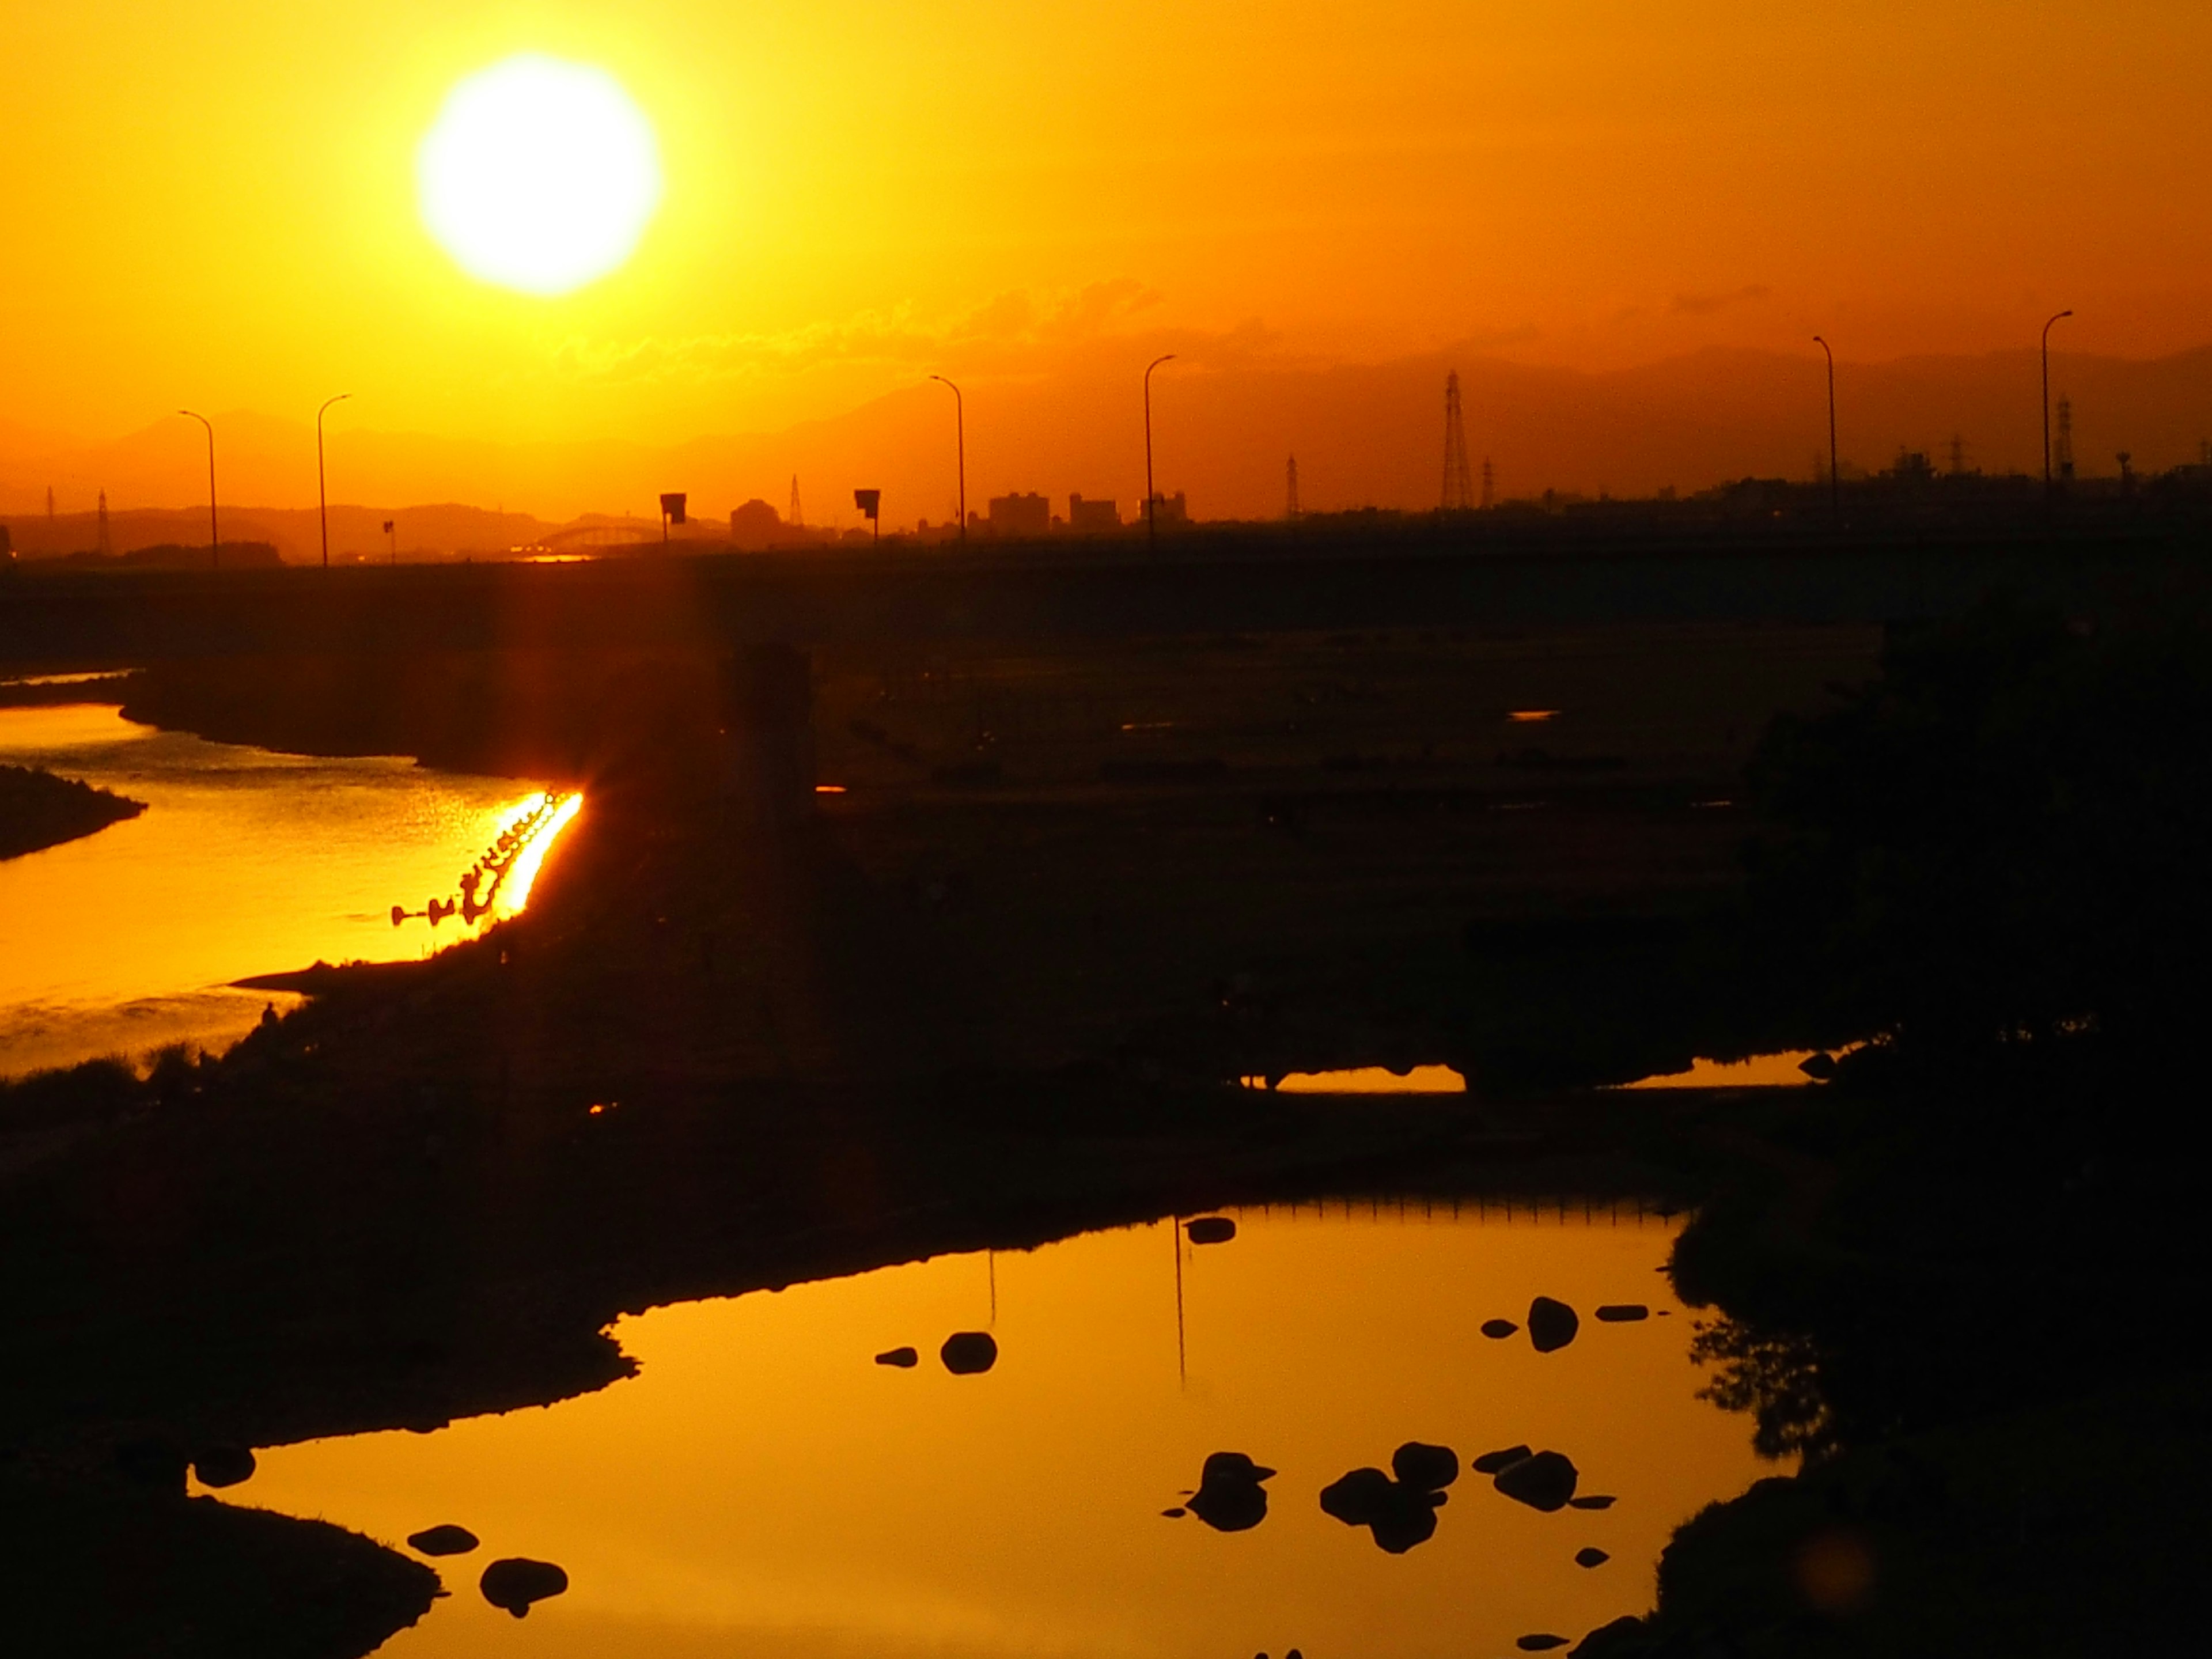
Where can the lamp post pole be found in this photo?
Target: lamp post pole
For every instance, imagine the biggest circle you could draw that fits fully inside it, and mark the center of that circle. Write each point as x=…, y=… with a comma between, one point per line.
x=2047, y=327
x=322, y=495
x=1151, y=529
x=215, y=538
x=1835, y=486
x=960, y=446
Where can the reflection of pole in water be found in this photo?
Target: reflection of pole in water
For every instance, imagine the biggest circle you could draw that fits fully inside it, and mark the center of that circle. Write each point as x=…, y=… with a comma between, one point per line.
x=1175, y=1237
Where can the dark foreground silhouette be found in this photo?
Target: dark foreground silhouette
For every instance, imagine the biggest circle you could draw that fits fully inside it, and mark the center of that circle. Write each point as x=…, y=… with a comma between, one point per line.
x=39, y=810
x=737, y=1040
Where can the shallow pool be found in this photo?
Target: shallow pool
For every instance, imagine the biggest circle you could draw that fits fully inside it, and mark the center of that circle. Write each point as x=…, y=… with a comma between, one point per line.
x=764, y=1486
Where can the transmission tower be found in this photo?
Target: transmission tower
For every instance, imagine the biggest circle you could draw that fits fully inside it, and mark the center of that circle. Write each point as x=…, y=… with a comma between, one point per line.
x=1459, y=488
x=2062, y=450
x=1290, y=490
x=1957, y=455
x=1489, y=485
x=106, y=543
x=796, y=515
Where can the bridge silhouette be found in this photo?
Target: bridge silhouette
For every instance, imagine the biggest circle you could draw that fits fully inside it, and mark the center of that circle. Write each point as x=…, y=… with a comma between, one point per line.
x=55, y=620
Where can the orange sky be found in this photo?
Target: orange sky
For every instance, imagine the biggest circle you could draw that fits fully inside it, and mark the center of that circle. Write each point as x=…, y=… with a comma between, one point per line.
x=213, y=204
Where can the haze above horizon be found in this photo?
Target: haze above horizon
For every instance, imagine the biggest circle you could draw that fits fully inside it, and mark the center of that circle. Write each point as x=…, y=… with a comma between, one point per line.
x=216, y=207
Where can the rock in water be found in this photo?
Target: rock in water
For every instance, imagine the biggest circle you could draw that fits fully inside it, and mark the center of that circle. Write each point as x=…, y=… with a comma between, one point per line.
x=1552, y=1325
x=1546, y=1481
x=1424, y=1467
x=443, y=1539
x=966, y=1353
x=1592, y=1557
x=1541, y=1643
x=1499, y=1329
x=1593, y=1501
x=1230, y=1497
x=1491, y=1462
x=904, y=1359
x=1356, y=1499
x=1210, y=1230
x=223, y=1466
x=1624, y=1637
x=1623, y=1312
x=513, y=1583
x=1399, y=1516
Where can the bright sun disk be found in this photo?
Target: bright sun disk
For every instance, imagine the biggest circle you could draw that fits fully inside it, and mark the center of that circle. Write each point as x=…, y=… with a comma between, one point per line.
x=539, y=175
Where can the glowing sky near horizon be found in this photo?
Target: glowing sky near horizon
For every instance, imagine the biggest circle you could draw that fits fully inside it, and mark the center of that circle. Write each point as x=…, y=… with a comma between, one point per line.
x=219, y=201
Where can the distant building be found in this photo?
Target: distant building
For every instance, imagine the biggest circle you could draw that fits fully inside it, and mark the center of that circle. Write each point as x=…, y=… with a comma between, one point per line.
x=1169, y=512
x=1088, y=518
x=756, y=527
x=1016, y=516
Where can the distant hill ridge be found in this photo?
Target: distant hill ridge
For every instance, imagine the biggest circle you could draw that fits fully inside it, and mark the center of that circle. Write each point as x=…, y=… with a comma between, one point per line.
x=1363, y=434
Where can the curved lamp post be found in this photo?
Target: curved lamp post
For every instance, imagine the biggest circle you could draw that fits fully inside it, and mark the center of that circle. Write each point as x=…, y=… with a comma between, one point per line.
x=215, y=539
x=2047, y=327
x=1152, y=531
x=960, y=443
x=322, y=495
x=1835, y=486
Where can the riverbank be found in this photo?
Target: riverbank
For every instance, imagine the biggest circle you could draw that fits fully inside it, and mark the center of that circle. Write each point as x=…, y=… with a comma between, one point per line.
x=39, y=810
x=744, y=1036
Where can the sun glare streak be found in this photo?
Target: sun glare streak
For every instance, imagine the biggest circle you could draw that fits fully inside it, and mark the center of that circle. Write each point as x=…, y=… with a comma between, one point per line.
x=514, y=892
x=539, y=175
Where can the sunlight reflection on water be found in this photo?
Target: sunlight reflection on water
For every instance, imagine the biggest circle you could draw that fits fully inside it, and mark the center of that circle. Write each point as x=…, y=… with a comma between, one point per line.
x=246, y=862
x=763, y=1487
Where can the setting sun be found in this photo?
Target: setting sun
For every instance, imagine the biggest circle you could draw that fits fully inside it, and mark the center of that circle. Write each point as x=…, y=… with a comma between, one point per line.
x=539, y=175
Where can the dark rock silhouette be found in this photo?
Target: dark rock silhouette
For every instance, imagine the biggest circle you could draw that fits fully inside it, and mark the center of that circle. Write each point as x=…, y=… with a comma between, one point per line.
x=1430, y=1468
x=1591, y=1557
x=1540, y=1644
x=1552, y=1325
x=1623, y=1312
x=1820, y=1068
x=968, y=1353
x=905, y=1359
x=1176, y=1514
x=514, y=1582
x=1210, y=1230
x=1594, y=1501
x=1546, y=1481
x=1622, y=1636
x=1399, y=1513
x=223, y=1466
x=1353, y=1499
x=1230, y=1496
x=1499, y=1329
x=445, y=1539
x=1491, y=1462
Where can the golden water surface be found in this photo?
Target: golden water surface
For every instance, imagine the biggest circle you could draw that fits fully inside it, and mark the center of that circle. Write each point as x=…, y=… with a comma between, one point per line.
x=762, y=1487
x=245, y=862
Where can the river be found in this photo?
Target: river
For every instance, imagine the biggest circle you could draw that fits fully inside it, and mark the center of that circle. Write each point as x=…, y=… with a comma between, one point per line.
x=245, y=862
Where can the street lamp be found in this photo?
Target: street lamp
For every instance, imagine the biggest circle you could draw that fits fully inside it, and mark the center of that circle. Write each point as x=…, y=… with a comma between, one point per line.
x=960, y=443
x=215, y=540
x=1151, y=529
x=322, y=495
x=2060, y=318
x=1835, y=488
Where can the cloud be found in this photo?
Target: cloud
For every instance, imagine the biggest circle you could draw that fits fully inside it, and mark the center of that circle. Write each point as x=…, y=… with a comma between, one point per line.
x=1704, y=305
x=1013, y=333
